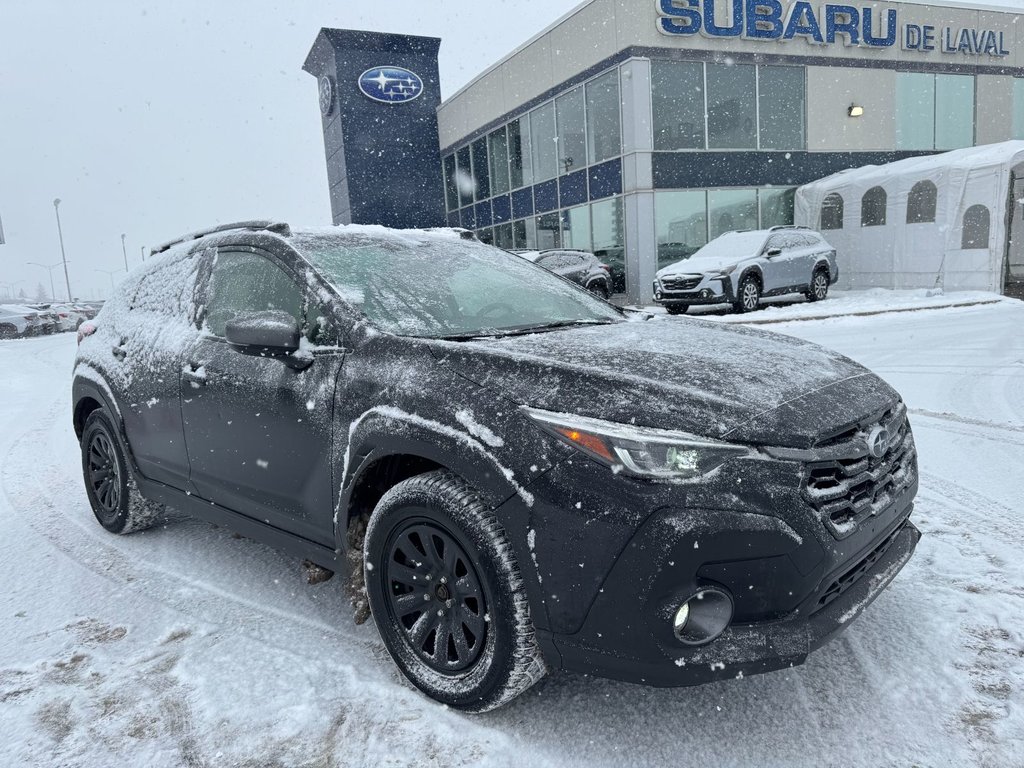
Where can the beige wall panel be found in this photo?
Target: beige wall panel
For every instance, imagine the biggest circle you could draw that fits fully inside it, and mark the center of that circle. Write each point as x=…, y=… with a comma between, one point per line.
x=831, y=91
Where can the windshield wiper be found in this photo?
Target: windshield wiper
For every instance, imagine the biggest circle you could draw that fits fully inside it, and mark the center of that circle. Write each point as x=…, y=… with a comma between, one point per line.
x=500, y=333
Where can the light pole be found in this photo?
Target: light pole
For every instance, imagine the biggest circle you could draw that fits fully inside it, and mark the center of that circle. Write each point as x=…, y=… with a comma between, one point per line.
x=63, y=256
x=125, y=252
x=109, y=273
x=49, y=270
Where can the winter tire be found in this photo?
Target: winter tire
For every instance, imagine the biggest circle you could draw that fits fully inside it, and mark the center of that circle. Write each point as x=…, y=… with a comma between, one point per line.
x=113, y=495
x=447, y=595
x=677, y=309
x=749, y=298
x=599, y=289
x=818, y=289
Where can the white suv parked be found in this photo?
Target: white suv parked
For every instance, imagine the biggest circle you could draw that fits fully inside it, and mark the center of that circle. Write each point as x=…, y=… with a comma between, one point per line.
x=740, y=268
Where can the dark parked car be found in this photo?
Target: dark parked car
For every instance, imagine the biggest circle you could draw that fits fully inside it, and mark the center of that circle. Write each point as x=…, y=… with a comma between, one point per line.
x=520, y=484
x=580, y=267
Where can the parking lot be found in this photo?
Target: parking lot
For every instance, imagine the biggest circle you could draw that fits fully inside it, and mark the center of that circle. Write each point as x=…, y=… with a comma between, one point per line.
x=189, y=645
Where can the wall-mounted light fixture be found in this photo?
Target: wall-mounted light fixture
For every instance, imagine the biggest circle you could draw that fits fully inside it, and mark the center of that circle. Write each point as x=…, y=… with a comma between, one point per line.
x=855, y=110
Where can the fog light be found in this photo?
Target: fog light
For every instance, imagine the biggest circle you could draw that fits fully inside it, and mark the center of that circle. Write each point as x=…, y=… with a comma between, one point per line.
x=657, y=294
x=703, y=617
x=705, y=293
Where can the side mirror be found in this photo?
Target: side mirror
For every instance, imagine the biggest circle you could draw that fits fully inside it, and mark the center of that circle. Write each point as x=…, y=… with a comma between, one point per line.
x=774, y=252
x=272, y=333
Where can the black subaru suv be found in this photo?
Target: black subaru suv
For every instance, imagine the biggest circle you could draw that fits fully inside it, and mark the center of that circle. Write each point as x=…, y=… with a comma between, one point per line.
x=520, y=485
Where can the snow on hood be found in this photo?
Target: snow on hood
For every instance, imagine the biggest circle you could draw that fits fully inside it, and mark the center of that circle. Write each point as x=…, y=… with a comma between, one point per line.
x=697, y=265
x=690, y=375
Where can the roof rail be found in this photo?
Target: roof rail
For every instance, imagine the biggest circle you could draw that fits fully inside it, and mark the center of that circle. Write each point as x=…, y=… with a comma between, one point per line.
x=278, y=227
x=787, y=226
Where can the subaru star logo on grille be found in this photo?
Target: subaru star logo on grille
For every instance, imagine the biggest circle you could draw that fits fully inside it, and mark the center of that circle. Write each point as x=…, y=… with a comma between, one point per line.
x=878, y=441
x=390, y=85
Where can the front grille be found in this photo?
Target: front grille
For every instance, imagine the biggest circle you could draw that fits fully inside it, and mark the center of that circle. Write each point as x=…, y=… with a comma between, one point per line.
x=854, y=574
x=852, y=485
x=682, y=283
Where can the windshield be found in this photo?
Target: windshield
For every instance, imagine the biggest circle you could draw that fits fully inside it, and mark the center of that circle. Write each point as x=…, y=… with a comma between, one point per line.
x=436, y=284
x=732, y=244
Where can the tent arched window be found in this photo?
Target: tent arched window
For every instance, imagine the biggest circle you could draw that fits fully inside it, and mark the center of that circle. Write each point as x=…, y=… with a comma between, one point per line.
x=922, y=202
x=832, y=211
x=872, y=208
x=976, y=227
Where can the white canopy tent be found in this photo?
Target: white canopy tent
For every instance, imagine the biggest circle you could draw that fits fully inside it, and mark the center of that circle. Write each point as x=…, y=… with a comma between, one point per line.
x=941, y=220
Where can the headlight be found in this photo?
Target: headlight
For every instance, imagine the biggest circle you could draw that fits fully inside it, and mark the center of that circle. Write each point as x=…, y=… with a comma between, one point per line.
x=640, y=451
x=721, y=273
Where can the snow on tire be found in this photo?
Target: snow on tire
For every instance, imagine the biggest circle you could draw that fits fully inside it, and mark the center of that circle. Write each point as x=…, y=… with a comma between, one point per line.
x=109, y=484
x=447, y=595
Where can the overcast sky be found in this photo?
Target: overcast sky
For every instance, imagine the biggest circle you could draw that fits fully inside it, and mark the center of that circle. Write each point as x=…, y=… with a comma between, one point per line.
x=153, y=119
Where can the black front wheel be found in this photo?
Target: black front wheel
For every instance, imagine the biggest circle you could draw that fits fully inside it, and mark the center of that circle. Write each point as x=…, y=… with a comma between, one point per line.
x=109, y=485
x=677, y=309
x=447, y=595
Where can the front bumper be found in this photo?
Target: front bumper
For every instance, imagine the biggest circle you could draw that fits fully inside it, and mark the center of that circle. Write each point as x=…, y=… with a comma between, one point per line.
x=744, y=649
x=717, y=290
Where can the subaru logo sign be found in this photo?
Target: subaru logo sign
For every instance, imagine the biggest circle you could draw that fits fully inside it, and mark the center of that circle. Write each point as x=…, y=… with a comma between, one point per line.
x=390, y=85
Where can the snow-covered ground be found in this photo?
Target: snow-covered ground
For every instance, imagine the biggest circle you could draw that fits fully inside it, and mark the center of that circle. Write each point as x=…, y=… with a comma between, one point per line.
x=842, y=304
x=186, y=645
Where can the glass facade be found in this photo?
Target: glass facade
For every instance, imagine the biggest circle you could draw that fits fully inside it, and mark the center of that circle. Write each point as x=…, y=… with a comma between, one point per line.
x=727, y=106
x=685, y=220
x=553, y=176
x=934, y=111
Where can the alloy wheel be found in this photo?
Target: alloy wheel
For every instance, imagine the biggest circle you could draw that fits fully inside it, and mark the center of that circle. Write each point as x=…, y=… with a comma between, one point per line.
x=104, y=473
x=435, y=597
x=751, y=295
x=820, y=286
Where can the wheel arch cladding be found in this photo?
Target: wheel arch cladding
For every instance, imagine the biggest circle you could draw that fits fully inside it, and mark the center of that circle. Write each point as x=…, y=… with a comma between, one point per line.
x=387, y=440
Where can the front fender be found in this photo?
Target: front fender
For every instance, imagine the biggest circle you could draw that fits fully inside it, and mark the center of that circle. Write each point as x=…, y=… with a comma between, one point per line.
x=389, y=431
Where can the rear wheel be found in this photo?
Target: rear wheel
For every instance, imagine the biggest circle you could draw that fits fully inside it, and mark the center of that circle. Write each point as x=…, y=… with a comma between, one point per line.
x=749, y=295
x=447, y=595
x=7, y=331
x=113, y=495
x=818, y=289
x=599, y=288
x=677, y=309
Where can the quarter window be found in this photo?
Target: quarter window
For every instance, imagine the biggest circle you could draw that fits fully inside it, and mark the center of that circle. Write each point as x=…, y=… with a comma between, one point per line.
x=872, y=208
x=244, y=282
x=922, y=202
x=976, y=228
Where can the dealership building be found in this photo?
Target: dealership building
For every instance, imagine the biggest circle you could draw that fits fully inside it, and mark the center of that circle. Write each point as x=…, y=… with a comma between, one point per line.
x=639, y=129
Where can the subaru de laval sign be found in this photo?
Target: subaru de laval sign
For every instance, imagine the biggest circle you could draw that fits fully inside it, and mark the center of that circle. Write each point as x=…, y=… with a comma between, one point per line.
x=390, y=85
x=824, y=25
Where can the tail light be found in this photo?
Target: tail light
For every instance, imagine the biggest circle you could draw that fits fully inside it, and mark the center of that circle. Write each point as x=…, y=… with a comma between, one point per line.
x=30, y=318
x=606, y=268
x=62, y=315
x=85, y=330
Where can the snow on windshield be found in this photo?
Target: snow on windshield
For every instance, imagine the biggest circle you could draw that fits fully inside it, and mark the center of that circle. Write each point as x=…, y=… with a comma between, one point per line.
x=420, y=283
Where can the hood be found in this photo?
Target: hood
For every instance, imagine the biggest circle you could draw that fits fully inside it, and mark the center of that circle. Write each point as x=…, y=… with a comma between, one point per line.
x=698, y=265
x=701, y=377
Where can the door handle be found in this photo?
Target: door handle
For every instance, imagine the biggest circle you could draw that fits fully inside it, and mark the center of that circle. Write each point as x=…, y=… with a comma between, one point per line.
x=195, y=375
